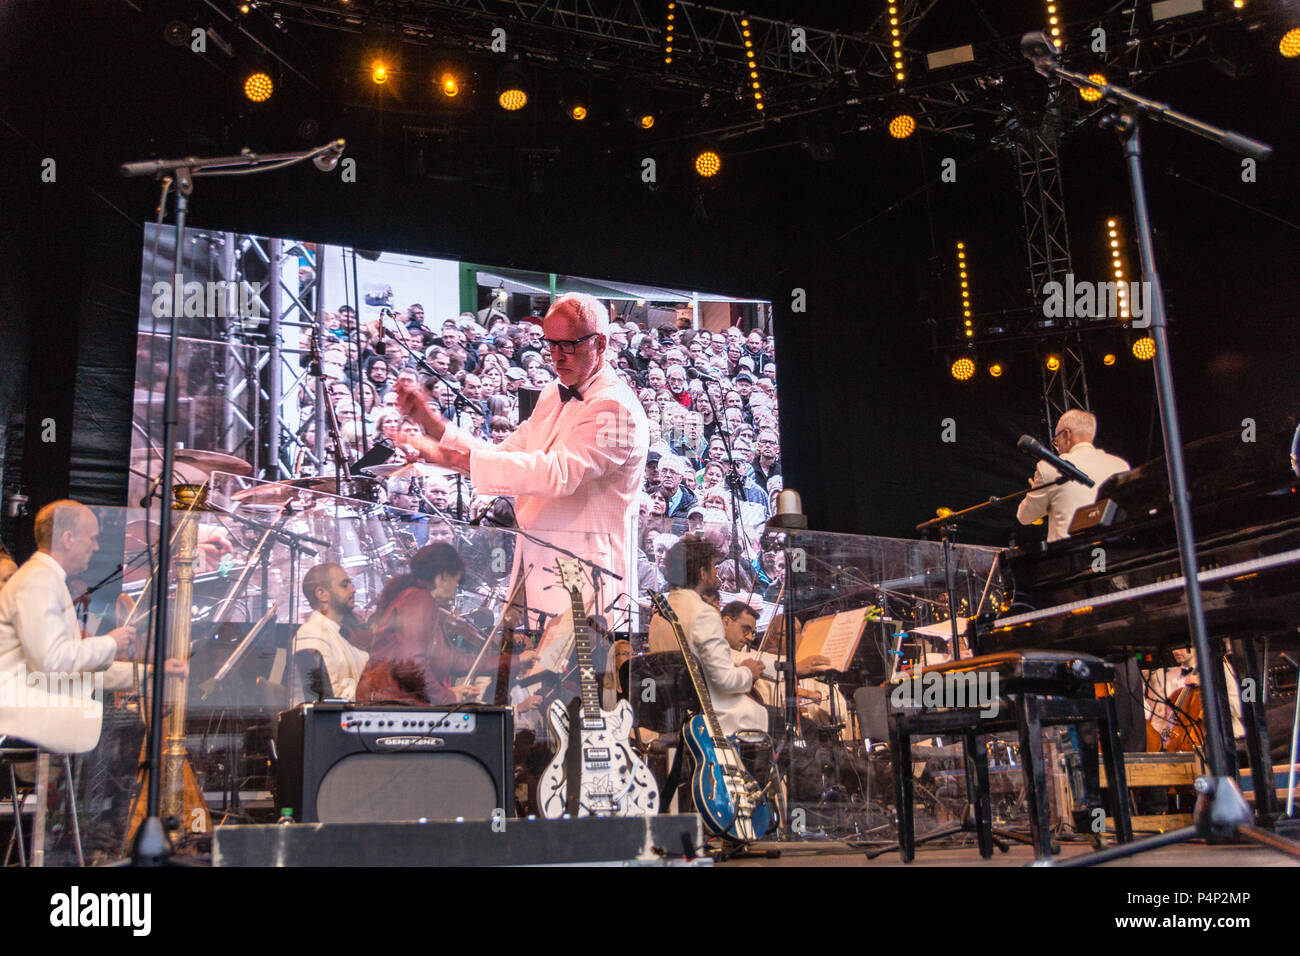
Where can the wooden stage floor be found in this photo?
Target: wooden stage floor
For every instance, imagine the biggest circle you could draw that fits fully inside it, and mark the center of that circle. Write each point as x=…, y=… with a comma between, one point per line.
x=834, y=854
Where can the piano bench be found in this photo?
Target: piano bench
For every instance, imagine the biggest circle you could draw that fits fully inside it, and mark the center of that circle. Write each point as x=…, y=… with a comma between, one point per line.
x=1023, y=691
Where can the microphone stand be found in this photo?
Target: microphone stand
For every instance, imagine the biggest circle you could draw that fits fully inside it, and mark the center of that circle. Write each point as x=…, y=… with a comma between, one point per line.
x=152, y=846
x=947, y=525
x=734, y=482
x=1222, y=814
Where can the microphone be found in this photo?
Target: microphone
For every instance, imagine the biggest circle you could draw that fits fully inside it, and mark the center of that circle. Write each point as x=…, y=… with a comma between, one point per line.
x=696, y=373
x=1041, y=51
x=1035, y=449
x=327, y=160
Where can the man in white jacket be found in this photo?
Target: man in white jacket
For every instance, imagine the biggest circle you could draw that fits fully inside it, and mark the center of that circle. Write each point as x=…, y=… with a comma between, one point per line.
x=1073, y=439
x=51, y=676
x=574, y=468
x=690, y=569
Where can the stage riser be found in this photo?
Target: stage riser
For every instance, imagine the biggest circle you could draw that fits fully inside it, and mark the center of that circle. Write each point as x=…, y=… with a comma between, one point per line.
x=587, y=840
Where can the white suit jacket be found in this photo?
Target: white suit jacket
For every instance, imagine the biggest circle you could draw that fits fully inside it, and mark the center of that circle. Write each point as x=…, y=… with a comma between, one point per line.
x=575, y=470
x=48, y=672
x=1060, y=502
x=728, y=682
x=343, y=662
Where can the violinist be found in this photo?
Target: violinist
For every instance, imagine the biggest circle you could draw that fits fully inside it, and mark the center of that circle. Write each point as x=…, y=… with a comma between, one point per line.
x=331, y=630
x=412, y=657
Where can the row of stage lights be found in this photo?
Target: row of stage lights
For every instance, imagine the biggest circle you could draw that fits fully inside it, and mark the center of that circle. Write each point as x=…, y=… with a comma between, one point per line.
x=964, y=366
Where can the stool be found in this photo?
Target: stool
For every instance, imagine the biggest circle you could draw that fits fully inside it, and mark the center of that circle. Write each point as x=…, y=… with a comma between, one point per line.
x=14, y=751
x=1035, y=689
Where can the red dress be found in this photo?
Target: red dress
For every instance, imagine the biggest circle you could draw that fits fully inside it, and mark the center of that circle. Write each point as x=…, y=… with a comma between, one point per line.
x=410, y=658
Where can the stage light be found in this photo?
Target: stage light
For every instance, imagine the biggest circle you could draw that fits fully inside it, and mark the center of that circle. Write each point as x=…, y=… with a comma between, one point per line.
x=512, y=89
x=449, y=85
x=1108, y=358
x=668, y=34
x=1144, y=348
x=896, y=35
x=902, y=126
x=708, y=163
x=646, y=120
x=258, y=87
x=244, y=8
x=379, y=71
x=512, y=99
x=578, y=112
x=995, y=370
x=963, y=369
x=1053, y=23
x=1289, y=46
x=1053, y=362
x=1117, y=264
x=1089, y=94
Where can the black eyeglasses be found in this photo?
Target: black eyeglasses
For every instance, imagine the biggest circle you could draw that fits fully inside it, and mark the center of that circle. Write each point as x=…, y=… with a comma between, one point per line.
x=568, y=346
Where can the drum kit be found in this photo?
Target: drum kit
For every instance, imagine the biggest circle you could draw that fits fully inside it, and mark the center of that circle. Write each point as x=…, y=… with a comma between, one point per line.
x=370, y=521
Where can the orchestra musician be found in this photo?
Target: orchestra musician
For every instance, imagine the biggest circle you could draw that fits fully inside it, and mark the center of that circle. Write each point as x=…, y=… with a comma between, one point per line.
x=412, y=657
x=332, y=595
x=690, y=567
x=1073, y=439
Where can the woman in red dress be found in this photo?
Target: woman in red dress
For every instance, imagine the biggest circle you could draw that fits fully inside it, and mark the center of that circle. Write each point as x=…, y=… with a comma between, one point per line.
x=411, y=659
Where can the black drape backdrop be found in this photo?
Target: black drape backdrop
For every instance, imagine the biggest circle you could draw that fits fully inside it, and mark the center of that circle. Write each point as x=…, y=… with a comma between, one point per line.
x=864, y=397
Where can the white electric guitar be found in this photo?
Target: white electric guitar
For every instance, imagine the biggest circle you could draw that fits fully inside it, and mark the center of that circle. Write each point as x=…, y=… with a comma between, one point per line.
x=614, y=781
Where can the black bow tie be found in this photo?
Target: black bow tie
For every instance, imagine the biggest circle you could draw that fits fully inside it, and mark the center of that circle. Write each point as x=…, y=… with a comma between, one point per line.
x=567, y=393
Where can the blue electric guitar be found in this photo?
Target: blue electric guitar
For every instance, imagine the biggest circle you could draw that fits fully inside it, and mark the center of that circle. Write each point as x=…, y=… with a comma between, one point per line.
x=725, y=795
x=614, y=781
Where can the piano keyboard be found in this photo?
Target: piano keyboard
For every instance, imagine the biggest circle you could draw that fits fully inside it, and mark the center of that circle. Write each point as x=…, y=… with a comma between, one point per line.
x=1226, y=572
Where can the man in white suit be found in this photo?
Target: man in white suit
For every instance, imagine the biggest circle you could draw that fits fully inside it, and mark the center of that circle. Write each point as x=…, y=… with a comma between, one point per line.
x=49, y=672
x=574, y=467
x=1074, y=434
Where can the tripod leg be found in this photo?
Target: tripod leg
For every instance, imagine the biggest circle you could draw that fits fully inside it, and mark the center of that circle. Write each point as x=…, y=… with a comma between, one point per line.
x=1112, y=751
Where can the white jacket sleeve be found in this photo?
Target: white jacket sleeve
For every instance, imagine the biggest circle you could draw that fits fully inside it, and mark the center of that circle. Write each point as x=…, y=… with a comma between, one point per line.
x=51, y=643
x=710, y=645
x=1035, y=504
x=600, y=442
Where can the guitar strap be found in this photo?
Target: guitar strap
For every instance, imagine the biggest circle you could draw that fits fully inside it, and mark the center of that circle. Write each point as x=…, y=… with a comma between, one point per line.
x=573, y=759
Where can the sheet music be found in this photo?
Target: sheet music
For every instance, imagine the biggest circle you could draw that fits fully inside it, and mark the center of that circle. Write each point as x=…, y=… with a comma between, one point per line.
x=842, y=637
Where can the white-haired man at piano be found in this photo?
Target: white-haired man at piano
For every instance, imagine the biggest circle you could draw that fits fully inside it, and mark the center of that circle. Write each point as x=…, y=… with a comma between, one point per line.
x=1073, y=439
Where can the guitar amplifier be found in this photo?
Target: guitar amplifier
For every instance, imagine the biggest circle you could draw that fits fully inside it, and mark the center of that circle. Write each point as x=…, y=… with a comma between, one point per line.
x=338, y=763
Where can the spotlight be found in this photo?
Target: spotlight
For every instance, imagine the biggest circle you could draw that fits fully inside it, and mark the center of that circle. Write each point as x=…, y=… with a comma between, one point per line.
x=902, y=126
x=1144, y=348
x=1108, y=359
x=1052, y=362
x=1289, y=47
x=707, y=163
x=379, y=71
x=963, y=369
x=258, y=87
x=995, y=370
x=646, y=121
x=512, y=90
x=1089, y=94
x=449, y=85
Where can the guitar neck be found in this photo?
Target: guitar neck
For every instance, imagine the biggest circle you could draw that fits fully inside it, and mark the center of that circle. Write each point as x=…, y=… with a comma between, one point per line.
x=586, y=666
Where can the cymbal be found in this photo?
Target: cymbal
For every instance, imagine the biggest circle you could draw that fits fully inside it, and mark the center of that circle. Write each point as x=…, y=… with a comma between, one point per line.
x=281, y=491
x=197, y=460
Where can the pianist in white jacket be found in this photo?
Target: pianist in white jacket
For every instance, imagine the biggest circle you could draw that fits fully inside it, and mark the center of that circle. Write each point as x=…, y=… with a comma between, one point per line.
x=1058, y=503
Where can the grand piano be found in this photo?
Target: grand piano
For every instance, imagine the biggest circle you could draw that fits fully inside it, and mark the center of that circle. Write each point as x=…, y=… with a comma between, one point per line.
x=1115, y=587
